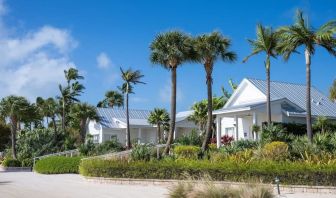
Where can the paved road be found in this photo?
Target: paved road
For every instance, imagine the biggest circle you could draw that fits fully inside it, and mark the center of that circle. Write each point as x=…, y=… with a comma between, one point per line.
x=32, y=185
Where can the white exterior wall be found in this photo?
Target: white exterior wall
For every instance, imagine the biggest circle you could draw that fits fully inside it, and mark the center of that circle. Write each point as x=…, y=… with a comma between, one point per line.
x=247, y=94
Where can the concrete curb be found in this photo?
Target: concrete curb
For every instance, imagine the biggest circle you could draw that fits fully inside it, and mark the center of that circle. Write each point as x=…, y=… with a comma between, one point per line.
x=15, y=169
x=283, y=188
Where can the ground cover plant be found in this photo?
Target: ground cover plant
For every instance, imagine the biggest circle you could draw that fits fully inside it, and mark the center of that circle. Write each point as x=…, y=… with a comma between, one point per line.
x=57, y=165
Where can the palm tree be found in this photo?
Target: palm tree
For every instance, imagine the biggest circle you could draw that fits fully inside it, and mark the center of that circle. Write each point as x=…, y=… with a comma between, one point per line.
x=130, y=78
x=266, y=42
x=158, y=117
x=209, y=48
x=301, y=34
x=51, y=110
x=171, y=49
x=199, y=115
x=14, y=108
x=72, y=74
x=112, y=99
x=84, y=112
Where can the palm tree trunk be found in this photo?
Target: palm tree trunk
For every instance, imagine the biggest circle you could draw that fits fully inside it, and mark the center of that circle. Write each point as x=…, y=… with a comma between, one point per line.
x=63, y=116
x=55, y=127
x=13, y=134
x=209, y=121
x=172, y=111
x=158, y=134
x=82, y=129
x=268, y=76
x=128, y=131
x=308, y=97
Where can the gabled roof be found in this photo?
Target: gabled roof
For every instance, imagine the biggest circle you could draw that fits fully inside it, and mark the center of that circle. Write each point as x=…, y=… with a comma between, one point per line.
x=295, y=94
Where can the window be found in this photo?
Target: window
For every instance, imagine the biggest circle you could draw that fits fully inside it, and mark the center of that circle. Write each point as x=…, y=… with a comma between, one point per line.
x=95, y=138
x=229, y=131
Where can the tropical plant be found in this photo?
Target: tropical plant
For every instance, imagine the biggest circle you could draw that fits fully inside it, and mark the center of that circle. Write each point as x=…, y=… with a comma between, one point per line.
x=266, y=42
x=141, y=152
x=130, y=78
x=273, y=132
x=159, y=117
x=302, y=34
x=112, y=99
x=171, y=50
x=5, y=136
x=192, y=138
x=72, y=74
x=14, y=108
x=332, y=92
x=84, y=113
x=321, y=123
x=208, y=49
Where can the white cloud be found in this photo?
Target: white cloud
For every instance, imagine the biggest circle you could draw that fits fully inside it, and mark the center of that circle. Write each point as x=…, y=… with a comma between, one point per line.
x=165, y=93
x=103, y=61
x=32, y=64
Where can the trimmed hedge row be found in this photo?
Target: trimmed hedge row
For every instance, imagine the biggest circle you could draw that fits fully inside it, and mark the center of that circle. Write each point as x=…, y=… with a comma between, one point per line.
x=265, y=171
x=57, y=165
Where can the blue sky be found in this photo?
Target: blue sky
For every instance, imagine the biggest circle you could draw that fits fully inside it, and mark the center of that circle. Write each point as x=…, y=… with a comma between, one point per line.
x=118, y=33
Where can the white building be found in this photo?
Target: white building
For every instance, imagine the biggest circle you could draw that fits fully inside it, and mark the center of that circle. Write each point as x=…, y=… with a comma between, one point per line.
x=112, y=124
x=247, y=107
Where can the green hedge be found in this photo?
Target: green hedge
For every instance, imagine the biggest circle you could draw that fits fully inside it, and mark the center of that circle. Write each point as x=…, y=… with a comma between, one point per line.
x=57, y=165
x=11, y=163
x=265, y=171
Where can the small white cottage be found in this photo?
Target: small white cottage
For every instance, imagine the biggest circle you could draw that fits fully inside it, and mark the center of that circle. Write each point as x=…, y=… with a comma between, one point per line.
x=113, y=125
x=247, y=107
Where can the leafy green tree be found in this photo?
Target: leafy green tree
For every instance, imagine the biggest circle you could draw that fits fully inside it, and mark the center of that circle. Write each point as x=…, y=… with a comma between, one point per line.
x=267, y=42
x=130, y=78
x=200, y=110
x=14, y=108
x=209, y=48
x=84, y=113
x=112, y=99
x=171, y=50
x=158, y=117
x=300, y=34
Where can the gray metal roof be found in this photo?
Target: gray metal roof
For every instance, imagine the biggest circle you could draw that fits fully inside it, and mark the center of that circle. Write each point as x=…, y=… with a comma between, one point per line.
x=111, y=118
x=109, y=115
x=296, y=93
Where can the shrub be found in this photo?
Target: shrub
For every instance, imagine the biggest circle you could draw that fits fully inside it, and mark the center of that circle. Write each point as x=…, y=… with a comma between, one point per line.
x=226, y=139
x=191, y=139
x=141, y=152
x=275, y=150
x=298, y=173
x=5, y=135
x=239, y=145
x=207, y=189
x=91, y=149
x=273, y=132
x=8, y=162
x=189, y=152
x=57, y=165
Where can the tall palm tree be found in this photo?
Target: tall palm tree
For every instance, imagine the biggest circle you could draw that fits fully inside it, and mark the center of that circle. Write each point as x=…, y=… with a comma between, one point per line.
x=130, y=78
x=209, y=48
x=51, y=110
x=171, y=50
x=84, y=112
x=14, y=108
x=301, y=34
x=112, y=99
x=158, y=117
x=266, y=42
x=72, y=74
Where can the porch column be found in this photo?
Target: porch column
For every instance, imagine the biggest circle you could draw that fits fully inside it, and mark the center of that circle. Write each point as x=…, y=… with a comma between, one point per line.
x=174, y=133
x=236, y=128
x=255, y=121
x=139, y=135
x=218, y=131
